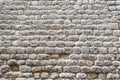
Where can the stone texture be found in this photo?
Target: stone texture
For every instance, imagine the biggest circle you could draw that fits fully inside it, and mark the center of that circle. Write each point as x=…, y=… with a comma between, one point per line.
x=39, y=50
x=5, y=68
x=59, y=40
x=36, y=69
x=25, y=68
x=81, y=75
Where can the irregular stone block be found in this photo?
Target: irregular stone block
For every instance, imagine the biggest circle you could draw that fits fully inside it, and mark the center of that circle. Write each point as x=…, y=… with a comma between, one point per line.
x=25, y=69
x=44, y=75
x=32, y=56
x=43, y=56
x=20, y=50
x=116, y=33
x=76, y=50
x=69, y=44
x=29, y=50
x=116, y=63
x=58, y=50
x=36, y=69
x=85, y=69
x=107, y=63
x=12, y=62
x=54, y=75
x=49, y=50
x=113, y=26
x=74, y=56
x=21, y=56
x=105, y=69
x=39, y=50
x=112, y=50
x=29, y=62
x=92, y=75
x=67, y=75
x=51, y=43
x=5, y=68
x=102, y=50
x=5, y=56
x=71, y=69
x=96, y=69
x=81, y=75
x=55, y=56
x=68, y=50
x=73, y=38
x=11, y=50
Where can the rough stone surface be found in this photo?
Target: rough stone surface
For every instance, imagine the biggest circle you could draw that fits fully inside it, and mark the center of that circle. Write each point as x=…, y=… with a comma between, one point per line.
x=59, y=39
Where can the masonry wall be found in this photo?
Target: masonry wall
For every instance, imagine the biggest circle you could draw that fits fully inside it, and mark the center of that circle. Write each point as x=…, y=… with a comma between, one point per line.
x=59, y=40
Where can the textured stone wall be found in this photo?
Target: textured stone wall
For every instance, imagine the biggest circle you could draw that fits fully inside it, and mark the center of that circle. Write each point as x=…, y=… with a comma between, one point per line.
x=59, y=40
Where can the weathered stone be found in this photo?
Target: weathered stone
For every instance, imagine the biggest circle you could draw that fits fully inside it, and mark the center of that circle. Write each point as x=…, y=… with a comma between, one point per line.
x=15, y=68
x=5, y=68
x=51, y=43
x=20, y=79
x=11, y=50
x=71, y=69
x=36, y=75
x=43, y=56
x=116, y=33
x=92, y=75
x=107, y=63
x=44, y=75
x=92, y=57
x=58, y=50
x=105, y=69
x=12, y=62
x=21, y=56
x=116, y=63
x=113, y=25
x=67, y=50
x=67, y=75
x=44, y=62
x=81, y=75
x=112, y=50
x=54, y=75
x=96, y=69
x=29, y=50
x=36, y=62
x=76, y=50
x=55, y=56
x=85, y=50
x=102, y=76
x=36, y=69
x=73, y=38
x=102, y=50
x=5, y=56
x=21, y=62
x=85, y=69
x=74, y=56
x=84, y=56
x=99, y=63
x=32, y=56
x=69, y=44
x=20, y=50
x=29, y=62
x=89, y=63
x=22, y=17
x=49, y=50
x=25, y=68
x=39, y=50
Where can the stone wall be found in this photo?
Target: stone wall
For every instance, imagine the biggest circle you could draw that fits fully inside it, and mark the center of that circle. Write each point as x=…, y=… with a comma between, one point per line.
x=59, y=40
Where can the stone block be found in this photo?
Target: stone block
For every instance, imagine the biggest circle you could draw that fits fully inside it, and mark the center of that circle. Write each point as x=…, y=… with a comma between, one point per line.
x=43, y=56
x=39, y=50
